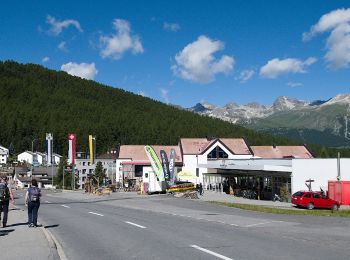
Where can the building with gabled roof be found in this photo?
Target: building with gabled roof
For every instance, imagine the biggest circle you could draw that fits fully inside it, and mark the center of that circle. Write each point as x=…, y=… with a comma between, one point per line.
x=197, y=151
x=133, y=160
x=4, y=154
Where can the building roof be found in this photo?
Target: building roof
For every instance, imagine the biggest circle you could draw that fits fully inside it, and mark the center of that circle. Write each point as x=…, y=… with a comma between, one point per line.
x=279, y=152
x=137, y=152
x=200, y=145
x=29, y=152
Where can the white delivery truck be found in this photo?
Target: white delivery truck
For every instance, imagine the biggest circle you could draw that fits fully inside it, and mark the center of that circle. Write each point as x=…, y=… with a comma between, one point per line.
x=151, y=183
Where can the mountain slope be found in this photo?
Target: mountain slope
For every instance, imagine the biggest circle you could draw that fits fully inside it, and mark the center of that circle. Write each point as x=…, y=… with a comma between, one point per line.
x=35, y=100
x=321, y=122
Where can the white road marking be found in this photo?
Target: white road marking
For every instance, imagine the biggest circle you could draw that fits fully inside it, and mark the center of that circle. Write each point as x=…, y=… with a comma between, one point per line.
x=65, y=206
x=134, y=224
x=47, y=201
x=94, y=213
x=262, y=223
x=211, y=253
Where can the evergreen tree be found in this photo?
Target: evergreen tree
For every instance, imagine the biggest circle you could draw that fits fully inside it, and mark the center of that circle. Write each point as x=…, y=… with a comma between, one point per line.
x=99, y=172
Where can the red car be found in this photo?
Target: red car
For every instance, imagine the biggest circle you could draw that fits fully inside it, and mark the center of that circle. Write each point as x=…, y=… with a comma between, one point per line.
x=314, y=199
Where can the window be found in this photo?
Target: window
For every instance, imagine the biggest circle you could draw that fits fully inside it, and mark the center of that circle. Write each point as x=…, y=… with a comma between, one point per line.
x=317, y=196
x=217, y=153
x=83, y=163
x=138, y=170
x=307, y=196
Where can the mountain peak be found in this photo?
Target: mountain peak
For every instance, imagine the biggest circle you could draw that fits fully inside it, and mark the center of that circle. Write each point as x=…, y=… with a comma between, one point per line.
x=283, y=103
x=339, y=99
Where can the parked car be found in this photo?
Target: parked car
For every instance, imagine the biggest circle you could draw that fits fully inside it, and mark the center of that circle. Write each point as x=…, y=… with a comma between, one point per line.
x=314, y=199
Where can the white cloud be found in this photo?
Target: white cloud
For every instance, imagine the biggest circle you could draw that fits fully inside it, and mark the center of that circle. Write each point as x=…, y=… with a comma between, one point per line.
x=45, y=59
x=338, y=43
x=173, y=27
x=196, y=62
x=245, y=75
x=164, y=94
x=142, y=93
x=62, y=46
x=115, y=45
x=275, y=67
x=83, y=70
x=294, y=84
x=58, y=26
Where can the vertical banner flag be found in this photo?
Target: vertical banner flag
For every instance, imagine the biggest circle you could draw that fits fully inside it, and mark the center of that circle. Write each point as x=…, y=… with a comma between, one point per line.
x=49, y=148
x=156, y=165
x=172, y=165
x=71, y=148
x=92, y=148
x=165, y=164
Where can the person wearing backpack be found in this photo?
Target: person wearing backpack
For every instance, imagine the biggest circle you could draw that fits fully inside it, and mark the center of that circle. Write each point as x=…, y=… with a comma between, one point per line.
x=5, y=197
x=32, y=201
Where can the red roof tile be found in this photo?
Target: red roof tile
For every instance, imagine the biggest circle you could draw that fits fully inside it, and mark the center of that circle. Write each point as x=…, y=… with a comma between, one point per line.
x=137, y=152
x=199, y=145
x=270, y=152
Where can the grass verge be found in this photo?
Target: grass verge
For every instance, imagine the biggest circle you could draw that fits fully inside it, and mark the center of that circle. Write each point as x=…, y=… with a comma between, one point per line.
x=320, y=212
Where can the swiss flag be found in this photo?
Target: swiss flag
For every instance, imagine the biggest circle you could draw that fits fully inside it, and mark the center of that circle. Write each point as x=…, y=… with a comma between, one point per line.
x=71, y=148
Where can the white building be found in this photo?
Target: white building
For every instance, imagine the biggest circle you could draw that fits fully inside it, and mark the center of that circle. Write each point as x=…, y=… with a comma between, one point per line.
x=4, y=154
x=320, y=171
x=27, y=157
x=84, y=167
x=56, y=158
x=41, y=158
x=196, y=151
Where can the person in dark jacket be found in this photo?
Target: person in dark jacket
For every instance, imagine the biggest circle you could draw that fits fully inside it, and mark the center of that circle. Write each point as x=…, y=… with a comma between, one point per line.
x=5, y=200
x=32, y=201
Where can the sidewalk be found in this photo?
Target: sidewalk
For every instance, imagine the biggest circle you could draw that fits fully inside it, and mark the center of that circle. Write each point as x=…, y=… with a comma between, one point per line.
x=18, y=241
x=223, y=197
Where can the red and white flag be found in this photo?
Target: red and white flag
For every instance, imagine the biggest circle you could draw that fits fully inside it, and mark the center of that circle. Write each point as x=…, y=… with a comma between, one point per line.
x=71, y=148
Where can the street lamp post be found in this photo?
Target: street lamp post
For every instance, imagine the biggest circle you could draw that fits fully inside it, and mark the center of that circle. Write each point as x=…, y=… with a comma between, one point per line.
x=32, y=168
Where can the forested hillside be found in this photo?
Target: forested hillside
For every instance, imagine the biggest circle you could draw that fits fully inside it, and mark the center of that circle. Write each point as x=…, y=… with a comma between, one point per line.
x=35, y=100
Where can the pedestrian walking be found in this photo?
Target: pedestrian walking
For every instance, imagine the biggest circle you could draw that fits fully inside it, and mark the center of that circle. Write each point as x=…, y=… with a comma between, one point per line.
x=5, y=197
x=32, y=201
x=200, y=189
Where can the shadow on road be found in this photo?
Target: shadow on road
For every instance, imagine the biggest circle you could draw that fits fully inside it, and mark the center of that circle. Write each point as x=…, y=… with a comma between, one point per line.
x=52, y=226
x=5, y=232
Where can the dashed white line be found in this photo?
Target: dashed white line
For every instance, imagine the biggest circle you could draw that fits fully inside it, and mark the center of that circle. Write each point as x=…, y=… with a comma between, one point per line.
x=94, y=213
x=65, y=206
x=134, y=224
x=262, y=223
x=211, y=253
x=47, y=201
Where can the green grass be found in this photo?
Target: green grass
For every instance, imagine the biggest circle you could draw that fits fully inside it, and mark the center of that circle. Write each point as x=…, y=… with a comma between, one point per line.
x=326, y=213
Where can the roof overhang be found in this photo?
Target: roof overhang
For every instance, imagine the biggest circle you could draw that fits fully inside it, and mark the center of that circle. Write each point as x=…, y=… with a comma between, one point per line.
x=279, y=165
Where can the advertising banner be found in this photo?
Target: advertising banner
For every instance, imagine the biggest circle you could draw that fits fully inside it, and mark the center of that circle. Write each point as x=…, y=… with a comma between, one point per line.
x=156, y=165
x=49, y=148
x=92, y=148
x=71, y=148
x=172, y=165
x=165, y=164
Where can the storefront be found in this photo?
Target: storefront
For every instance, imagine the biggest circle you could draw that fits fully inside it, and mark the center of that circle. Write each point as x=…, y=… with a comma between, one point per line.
x=252, y=178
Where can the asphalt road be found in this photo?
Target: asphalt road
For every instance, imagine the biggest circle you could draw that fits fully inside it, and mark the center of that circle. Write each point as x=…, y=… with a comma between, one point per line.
x=126, y=226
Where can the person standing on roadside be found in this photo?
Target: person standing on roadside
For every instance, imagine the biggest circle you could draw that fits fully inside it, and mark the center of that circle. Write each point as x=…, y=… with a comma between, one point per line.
x=5, y=197
x=32, y=201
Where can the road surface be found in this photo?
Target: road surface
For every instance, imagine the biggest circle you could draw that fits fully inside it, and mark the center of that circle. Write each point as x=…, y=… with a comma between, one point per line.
x=128, y=226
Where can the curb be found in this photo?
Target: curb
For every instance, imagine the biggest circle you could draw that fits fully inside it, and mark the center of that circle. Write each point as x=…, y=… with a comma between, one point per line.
x=53, y=242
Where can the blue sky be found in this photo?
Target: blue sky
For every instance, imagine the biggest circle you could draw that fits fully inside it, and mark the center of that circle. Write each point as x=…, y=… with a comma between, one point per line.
x=184, y=52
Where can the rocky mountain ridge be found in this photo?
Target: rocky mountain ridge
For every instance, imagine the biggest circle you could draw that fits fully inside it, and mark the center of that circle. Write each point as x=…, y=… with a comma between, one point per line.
x=289, y=115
